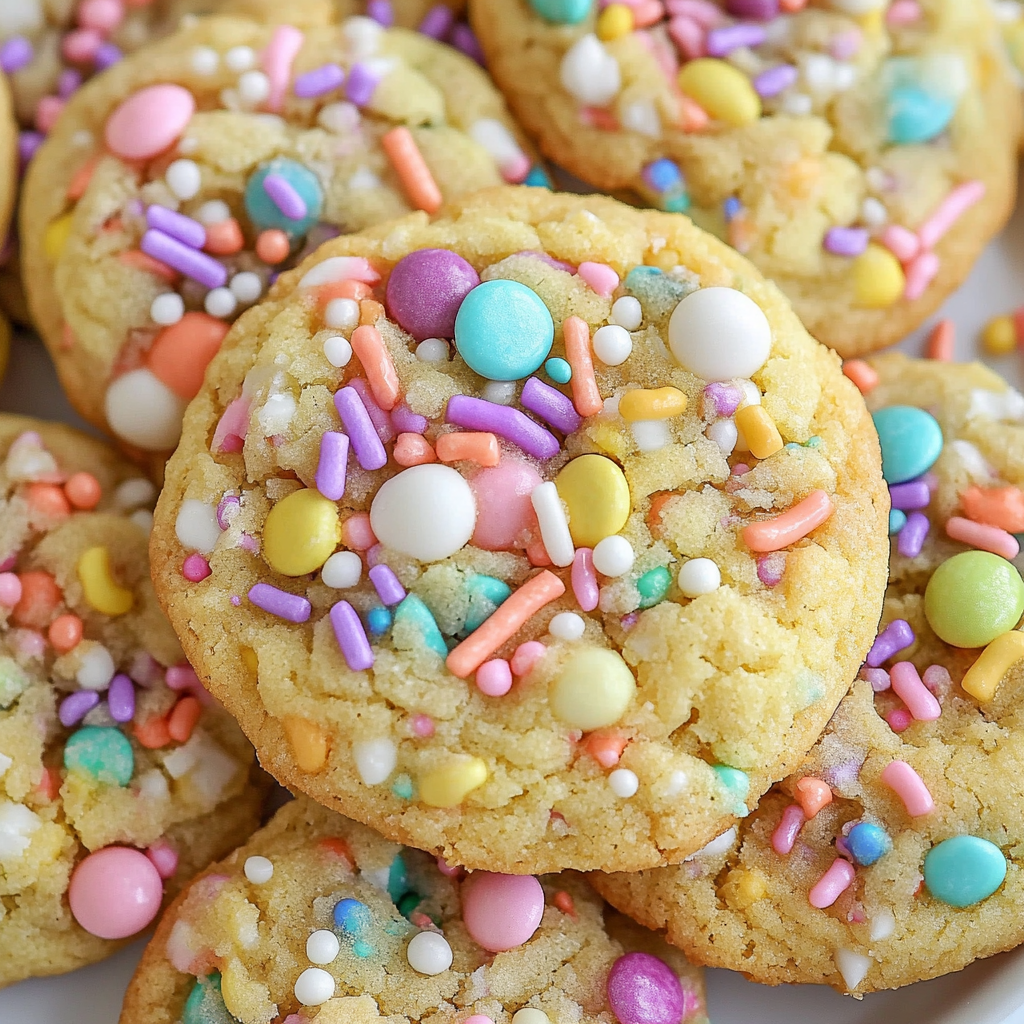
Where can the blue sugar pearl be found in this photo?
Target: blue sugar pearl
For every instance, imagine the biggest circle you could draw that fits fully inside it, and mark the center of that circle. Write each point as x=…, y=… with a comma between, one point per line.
x=265, y=213
x=503, y=330
x=562, y=12
x=662, y=175
x=538, y=178
x=378, y=621
x=910, y=439
x=731, y=207
x=558, y=370
x=897, y=520
x=916, y=115
x=351, y=916
x=102, y=753
x=964, y=870
x=867, y=842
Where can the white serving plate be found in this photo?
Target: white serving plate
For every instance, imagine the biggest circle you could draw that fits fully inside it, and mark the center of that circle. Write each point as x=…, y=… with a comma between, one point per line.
x=987, y=992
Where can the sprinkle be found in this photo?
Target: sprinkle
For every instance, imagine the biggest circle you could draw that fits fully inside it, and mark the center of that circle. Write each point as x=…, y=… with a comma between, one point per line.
x=283, y=195
x=909, y=787
x=164, y=858
x=458, y=446
x=986, y=538
x=361, y=85
x=832, y=884
x=907, y=685
x=413, y=450
x=921, y=272
x=177, y=225
x=387, y=585
x=791, y=526
x=600, y=277
x=278, y=58
x=332, y=467
x=550, y=405
x=280, y=603
x=812, y=794
x=378, y=365
x=775, y=80
x=437, y=22
x=411, y=168
x=878, y=678
x=788, y=828
x=720, y=42
x=912, y=536
x=524, y=603
x=380, y=419
x=897, y=636
x=846, y=241
x=351, y=637
x=121, y=698
x=319, y=81
x=956, y=203
x=982, y=678
x=76, y=706
x=911, y=495
x=367, y=446
x=584, y=579
x=406, y=421
x=513, y=425
x=196, y=265
x=995, y=506
x=554, y=526
x=941, y=343
x=901, y=242
x=585, y=393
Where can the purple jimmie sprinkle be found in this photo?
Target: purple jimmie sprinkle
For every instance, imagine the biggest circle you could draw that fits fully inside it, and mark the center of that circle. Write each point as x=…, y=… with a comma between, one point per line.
x=897, y=636
x=389, y=588
x=405, y=421
x=550, y=405
x=106, y=56
x=76, y=706
x=369, y=450
x=775, y=80
x=379, y=417
x=464, y=39
x=280, y=603
x=320, y=80
x=913, y=494
x=513, y=425
x=381, y=12
x=15, y=54
x=28, y=143
x=351, y=637
x=762, y=10
x=332, y=468
x=190, y=262
x=121, y=698
x=361, y=84
x=283, y=195
x=68, y=82
x=846, y=241
x=878, y=678
x=177, y=225
x=437, y=22
x=722, y=41
x=911, y=538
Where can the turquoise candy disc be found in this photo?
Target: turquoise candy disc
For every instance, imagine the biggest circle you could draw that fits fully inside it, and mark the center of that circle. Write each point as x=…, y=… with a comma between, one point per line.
x=265, y=213
x=503, y=330
x=205, y=1004
x=964, y=870
x=102, y=753
x=911, y=441
x=916, y=115
x=562, y=12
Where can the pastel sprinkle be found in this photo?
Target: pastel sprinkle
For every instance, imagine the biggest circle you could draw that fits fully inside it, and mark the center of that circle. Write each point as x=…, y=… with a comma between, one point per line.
x=277, y=602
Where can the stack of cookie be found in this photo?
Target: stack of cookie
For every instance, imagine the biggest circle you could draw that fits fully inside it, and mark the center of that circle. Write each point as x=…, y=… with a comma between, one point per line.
x=521, y=533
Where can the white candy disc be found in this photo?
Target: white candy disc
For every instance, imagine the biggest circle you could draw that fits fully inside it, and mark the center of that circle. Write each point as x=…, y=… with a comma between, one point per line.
x=196, y=526
x=375, y=760
x=590, y=73
x=144, y=411
x=718, y=333
x=427, y=512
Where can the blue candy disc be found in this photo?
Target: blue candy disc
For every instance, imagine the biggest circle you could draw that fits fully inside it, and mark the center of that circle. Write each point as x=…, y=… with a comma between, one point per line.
x=265, y=213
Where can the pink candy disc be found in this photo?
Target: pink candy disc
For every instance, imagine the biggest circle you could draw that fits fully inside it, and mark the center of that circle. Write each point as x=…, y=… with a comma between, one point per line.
x=505, y=513
x=644, y=990
x=115, y=892
x=149, y=121
x=501, y=911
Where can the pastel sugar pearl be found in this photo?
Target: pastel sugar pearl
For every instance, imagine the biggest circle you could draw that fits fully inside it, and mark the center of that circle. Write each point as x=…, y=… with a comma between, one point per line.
x=115, y=892
x=503, y=330
x=974, y=597
x=644, y=990
x=429, y=953
x=719, y=333
x=427, y=512
x=426, y=289
x=505, y=514
x=562, y=12
x=501, y=911
x=592, y=689
x=149, y=121
x=964, y=870
x=910, y=439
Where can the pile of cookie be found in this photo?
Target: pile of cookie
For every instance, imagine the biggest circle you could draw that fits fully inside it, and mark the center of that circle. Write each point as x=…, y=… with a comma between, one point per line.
x=541, y=545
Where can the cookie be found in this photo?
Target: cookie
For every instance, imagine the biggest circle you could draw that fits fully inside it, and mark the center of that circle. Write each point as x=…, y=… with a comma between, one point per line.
x=893, y=854
x=119, y=779
x=8, y=163
x=525, y=602
x=434, y=17
x=847, y=148
x=318, y=918
x=177, y=185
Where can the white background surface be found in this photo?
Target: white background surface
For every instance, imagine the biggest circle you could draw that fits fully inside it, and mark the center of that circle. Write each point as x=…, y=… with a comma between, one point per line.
x=989, y=992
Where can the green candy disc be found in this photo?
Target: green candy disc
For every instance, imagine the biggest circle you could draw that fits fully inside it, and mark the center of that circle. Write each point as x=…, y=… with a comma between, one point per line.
x=964, y=870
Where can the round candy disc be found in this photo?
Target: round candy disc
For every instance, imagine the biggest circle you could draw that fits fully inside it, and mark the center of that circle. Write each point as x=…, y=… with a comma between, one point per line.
x=426, y=289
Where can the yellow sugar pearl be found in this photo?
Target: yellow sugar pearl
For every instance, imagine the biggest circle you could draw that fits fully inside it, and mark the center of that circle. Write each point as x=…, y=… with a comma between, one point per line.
x=56, y=237
x=450, y=785
x=651, y=404
x=593, y=689
x=999, y=336
x=759, y=431
x=301, y=533
x=615, y=21
x=878, y=278
x=743, y=888
x=597, y=496
x=722, y=90
x=308, y=742
x=102, y=592
x=982, y=678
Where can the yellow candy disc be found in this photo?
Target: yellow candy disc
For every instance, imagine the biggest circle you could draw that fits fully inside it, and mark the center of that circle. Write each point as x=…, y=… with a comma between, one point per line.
x=999, y=336
x=878, y=278
x=56, y=237
x=450, y=785
x=651, y=404
x=592, y=689
x=308, y=742
x=722, y=90
x=597, y=496
x=615, y=21
x=301, y=533
x=102, y=592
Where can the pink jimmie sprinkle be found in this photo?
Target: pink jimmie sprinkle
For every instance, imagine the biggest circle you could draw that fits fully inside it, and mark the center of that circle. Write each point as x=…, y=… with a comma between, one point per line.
x=832, y=884
x=901, y=242
x=788, y=829
x=9, y=563
x=907, y=685
x=584, y=579
x=182, y=677
x=448, y=870
x=195, y=568
x=899, y=719
x=903, y=12
x=278, y=57
x=688, y=36
x=909, y=787
x=233, y=425
x=494, y=678
x=601, y=278
x=526, y=656
x=422, y=726
x=771, y=567
x=949, y=211
x=920, y=273
x=163, y=857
